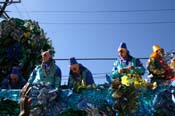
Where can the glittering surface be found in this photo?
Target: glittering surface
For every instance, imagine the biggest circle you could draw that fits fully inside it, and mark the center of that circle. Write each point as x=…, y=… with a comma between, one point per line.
x=95, y=101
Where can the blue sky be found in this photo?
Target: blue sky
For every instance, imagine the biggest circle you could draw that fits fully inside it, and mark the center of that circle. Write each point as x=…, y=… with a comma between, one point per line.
x=94, y=28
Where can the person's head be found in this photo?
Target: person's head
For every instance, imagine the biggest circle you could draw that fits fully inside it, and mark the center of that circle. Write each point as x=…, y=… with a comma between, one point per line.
x=122, y=50
x=14, y=75
x=158, y=50
x=46, y=56
x=74, y=66
x=172, y=63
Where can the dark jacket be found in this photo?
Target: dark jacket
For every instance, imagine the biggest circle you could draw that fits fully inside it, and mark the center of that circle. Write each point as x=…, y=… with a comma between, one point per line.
x=6, y=83
x=84, y=76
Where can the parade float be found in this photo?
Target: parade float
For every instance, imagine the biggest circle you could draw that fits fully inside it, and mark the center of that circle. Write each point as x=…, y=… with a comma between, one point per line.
x=22, y=41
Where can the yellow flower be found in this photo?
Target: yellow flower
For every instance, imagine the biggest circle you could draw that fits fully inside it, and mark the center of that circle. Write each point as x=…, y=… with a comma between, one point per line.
x=27, y=35
x=137, y=84
x=125, y=80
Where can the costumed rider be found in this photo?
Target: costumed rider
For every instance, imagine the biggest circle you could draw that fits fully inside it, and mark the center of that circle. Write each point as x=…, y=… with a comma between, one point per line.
x=126, y=75
x=80, y=77
x=172, y=66
x=43, y=87
x=127, y=67
x=158, y=68
x=14, y=80
x=48, y=73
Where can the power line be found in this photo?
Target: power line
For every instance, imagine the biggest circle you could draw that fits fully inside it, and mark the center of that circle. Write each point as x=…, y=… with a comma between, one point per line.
x=19, y=12
x=93, y=58
x=88, y=59
x=100, y=73
x=26, y=10
x=119, y=23
x=97, y=11
x=94, y=76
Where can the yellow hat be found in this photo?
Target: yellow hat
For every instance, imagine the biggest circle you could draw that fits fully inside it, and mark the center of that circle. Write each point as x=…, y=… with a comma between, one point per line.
x=156, y=47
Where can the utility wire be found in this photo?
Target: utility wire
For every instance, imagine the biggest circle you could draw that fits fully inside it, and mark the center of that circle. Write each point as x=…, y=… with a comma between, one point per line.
x=26, y=10
x=92, y=58
x=94, y=74
x=125, y=23
x=18, y=11
x=95, y=77
x=87, y=59
x=97, y=11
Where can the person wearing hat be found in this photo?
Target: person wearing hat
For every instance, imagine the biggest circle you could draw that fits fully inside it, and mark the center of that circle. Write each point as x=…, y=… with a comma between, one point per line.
x=14, y=80
x=79, y=76
x=46, y=80
x=48, y=72
x=172, y=65
x=127, y=64
x=157, y=67
x=122, y=80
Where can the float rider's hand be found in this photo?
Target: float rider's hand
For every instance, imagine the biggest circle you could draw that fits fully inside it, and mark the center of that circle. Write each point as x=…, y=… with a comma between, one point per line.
x=131, y=68
x=123, y=70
